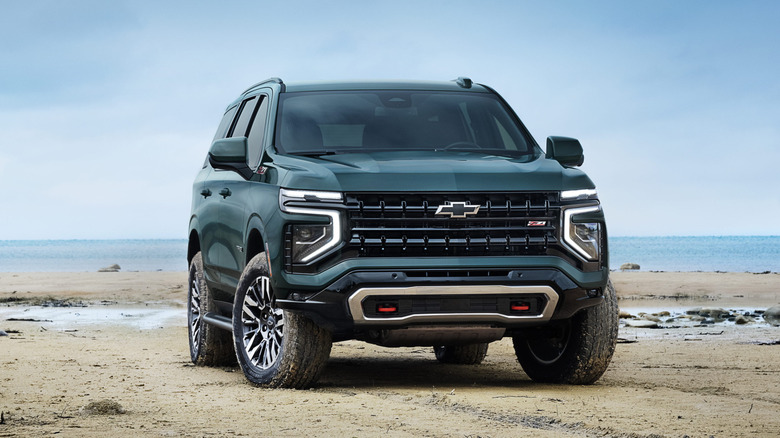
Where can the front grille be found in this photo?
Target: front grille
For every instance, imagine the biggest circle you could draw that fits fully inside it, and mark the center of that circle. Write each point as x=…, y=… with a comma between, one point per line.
x=393, y=225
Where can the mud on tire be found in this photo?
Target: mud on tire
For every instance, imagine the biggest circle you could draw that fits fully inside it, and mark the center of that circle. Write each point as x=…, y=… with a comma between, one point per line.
x=577, y=351
x=209, y=345
x=471, y=354
x=275, y=348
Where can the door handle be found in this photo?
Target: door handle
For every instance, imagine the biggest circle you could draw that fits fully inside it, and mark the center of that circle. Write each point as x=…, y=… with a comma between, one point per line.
x=225, y=193
x=205, y=193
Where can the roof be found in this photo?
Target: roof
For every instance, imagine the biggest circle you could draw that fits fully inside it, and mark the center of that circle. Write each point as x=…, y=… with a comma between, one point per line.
x=293, y=87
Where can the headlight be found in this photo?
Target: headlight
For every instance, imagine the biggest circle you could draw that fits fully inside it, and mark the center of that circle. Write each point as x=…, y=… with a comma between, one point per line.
x=579, y=195
x=287, y=195
x=310, y=241
x=584, y=237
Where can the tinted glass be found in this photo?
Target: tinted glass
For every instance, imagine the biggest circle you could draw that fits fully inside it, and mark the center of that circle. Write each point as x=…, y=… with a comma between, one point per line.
x=255, y=139
x=245, y=117
x=363, y=121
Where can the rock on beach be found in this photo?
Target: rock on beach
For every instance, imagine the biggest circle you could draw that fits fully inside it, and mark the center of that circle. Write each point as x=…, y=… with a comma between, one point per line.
x=641, y=323
x=629, y=267
x=772, y=315
x=112, y=268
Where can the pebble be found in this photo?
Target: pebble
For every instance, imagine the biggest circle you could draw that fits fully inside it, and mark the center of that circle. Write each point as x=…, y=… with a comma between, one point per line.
x=742, y=319
x=3, y=333
x=713, y=312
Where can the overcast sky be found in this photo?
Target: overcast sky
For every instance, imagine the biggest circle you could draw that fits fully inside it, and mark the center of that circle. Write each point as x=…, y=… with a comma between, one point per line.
x=107, y=108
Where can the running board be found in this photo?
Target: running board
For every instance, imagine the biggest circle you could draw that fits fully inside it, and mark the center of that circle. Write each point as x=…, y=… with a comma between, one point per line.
x=219, y=321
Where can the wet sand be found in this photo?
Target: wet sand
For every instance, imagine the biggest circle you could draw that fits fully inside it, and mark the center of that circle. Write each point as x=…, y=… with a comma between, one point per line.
x=129, y=346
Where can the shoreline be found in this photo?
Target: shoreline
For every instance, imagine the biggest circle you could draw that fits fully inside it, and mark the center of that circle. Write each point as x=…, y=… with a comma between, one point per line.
x=671, y=300
x=648, y=288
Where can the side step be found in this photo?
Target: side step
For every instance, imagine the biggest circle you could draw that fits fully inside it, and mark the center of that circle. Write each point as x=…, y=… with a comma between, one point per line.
x=219, y=321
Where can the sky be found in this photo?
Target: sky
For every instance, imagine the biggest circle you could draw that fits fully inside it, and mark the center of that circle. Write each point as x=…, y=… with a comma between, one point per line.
x=107, y=109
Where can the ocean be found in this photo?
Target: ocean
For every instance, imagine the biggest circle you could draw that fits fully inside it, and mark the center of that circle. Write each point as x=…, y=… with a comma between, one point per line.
x=700, y=253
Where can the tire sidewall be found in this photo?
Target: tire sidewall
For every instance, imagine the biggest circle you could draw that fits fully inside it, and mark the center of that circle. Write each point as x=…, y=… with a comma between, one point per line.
x=553, y=371
x=588, y=352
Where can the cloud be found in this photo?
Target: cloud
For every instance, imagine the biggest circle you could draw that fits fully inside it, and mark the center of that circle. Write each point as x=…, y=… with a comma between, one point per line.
x=107, y=108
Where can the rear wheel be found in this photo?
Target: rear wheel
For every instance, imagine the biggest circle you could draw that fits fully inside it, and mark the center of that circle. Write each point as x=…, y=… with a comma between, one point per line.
x=576, y=351
x=209, y=345
x=275, y=348
x=471, y=354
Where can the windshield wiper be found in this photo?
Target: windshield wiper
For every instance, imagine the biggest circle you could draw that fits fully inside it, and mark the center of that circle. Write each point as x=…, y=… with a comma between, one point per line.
x=315, y=153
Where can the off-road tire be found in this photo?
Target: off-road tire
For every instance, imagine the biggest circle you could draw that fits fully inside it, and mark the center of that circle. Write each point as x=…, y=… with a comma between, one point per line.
x=471, y=354
x=275, y=348
x=577, y=351
x=209, y=345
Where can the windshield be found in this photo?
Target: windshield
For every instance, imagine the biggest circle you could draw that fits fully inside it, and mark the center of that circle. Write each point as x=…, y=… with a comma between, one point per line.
x=318, y=123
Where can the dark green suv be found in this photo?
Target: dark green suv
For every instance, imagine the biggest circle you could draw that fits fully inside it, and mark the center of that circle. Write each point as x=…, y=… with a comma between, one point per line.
x=397, y=213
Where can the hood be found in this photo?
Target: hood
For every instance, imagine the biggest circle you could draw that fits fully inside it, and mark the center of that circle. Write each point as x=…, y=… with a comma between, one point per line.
x=415, y=171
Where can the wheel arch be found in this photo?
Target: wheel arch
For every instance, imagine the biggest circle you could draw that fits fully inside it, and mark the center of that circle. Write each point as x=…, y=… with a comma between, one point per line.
x=193, y=245
x=255, y=241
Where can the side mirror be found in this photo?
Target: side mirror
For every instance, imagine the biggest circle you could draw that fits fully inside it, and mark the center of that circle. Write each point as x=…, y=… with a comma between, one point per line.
x=565, y=150
x=230, y=154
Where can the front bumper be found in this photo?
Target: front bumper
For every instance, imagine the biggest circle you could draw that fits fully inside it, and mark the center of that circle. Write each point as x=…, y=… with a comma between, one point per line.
x=438, y=296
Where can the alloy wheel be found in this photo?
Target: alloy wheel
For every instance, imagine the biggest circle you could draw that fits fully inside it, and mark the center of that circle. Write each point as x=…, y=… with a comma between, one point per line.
x=262, y=325
x=194, y=309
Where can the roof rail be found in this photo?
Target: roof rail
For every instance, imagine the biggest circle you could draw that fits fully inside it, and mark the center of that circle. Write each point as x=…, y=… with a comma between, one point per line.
x=463, y=82
x=274, y=80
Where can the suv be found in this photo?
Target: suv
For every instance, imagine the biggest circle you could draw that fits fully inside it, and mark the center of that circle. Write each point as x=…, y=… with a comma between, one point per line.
x=397, y=213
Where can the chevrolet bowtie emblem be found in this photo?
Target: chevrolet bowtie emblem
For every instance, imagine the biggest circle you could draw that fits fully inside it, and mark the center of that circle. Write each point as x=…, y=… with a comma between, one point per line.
x=457, y=209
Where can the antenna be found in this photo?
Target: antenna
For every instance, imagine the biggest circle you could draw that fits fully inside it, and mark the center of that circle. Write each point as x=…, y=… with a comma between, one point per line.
x=463, y=82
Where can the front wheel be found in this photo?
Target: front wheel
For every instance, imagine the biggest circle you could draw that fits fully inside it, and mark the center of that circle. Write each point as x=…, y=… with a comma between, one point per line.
x=275, y=348
x=576, y=351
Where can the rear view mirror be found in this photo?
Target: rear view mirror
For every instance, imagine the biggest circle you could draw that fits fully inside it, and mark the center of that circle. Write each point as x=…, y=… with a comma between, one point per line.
x=230, y=154
x=565, y=150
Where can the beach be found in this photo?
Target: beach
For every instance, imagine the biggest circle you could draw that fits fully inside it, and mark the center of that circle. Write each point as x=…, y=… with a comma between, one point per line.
x=105, y=354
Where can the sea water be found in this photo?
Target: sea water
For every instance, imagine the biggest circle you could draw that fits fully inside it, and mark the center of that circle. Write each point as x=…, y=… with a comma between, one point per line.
x=91, y=255
x=699, y=253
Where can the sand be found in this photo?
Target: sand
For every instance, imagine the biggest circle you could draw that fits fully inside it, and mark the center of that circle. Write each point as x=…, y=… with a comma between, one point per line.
x=120, y=367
